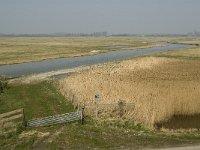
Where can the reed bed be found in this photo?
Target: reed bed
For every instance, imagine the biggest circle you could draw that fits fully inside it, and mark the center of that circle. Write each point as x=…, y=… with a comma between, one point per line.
x=159, y=87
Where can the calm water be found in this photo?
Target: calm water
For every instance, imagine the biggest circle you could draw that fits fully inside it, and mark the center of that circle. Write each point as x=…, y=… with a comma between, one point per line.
x=17, y=70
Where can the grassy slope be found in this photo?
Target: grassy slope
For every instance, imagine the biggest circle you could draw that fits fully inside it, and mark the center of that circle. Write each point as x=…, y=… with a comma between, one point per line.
x=111, y=134
x=42, y=99
x=38, y=100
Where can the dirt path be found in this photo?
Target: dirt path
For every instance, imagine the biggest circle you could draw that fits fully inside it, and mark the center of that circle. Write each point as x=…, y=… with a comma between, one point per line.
x=46, y=75
x=183, y=148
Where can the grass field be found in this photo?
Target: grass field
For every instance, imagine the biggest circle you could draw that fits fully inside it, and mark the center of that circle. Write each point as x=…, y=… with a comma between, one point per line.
x=18, y=50
x=192, y=53
x=26, y=49
x=42, y=99
x=38, y=99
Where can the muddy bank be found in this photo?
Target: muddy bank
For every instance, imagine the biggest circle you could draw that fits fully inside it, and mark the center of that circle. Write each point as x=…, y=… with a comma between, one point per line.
x=47, y=75
x=181, y=122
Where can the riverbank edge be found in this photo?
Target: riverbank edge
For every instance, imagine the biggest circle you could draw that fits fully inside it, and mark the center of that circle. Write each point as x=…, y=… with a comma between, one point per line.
x=90, y=54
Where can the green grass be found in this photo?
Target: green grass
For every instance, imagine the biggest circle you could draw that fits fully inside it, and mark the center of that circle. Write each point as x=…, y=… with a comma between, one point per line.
x=42, y=99
x=93, y=135
x=38, y=99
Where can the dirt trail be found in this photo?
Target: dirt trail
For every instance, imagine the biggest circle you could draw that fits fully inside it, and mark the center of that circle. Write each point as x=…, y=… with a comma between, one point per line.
x=46, y=75
x=183, y=148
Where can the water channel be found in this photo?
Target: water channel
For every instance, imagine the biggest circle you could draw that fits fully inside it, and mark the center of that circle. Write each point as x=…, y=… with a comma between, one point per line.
x=16, y=70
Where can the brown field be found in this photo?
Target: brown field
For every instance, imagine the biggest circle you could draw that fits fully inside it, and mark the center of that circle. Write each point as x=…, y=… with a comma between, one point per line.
x=191, y=53
x=26, y=49
x=160, y=88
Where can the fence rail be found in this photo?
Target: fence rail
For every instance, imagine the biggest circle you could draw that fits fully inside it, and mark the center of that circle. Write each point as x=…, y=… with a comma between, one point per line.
x=18, y=115
x=120, y=106
x=57, y=119
x=108, y=105
x=9, y=119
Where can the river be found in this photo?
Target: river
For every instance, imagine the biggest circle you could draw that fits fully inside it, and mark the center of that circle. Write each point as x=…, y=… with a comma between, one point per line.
x=17, y=70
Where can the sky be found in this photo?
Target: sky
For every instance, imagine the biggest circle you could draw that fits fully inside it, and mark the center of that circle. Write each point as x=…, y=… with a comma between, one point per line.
x=88, y=16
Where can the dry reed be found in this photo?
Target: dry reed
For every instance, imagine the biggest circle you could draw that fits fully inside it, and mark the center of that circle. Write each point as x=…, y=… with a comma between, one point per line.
x=159, y=87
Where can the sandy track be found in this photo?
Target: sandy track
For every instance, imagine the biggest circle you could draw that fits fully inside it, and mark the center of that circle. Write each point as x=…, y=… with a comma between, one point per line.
x=182, y=148
x=46, y=75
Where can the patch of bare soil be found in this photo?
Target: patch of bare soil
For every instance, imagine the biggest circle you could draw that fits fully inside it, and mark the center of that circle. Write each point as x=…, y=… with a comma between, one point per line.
x=160, y=88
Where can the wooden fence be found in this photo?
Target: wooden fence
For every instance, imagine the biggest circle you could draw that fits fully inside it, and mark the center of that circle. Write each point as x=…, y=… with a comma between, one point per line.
x=121, y=107
x=12, y=118
x=56, y=119
x=109, y=105
x=18, y=115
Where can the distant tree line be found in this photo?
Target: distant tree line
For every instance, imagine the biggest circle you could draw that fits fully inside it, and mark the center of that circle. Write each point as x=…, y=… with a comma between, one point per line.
x=97, y=34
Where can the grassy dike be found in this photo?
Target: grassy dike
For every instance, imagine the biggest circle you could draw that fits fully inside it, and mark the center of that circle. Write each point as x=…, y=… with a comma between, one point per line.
x=42, y=99
x=38, y=99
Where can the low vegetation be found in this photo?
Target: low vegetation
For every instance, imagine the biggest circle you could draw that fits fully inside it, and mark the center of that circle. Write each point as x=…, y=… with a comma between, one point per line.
x=18, y=50
x=159, y=87
x=189, y=53
x=38, y=99
x=3, y=84
x=42, y=99
x=192, y=53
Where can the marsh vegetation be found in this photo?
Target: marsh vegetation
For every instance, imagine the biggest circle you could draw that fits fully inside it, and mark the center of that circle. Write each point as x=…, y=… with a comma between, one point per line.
x=26, y=49
x=159, y=87
x=42, y=99
x=165, y=92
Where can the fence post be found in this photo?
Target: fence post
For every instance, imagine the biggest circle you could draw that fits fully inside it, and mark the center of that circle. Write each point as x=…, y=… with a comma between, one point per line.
x=79, y=107
x=121, y=105
x=96, y=111
x=73, y=99
x=82, y=113
x=24, y=119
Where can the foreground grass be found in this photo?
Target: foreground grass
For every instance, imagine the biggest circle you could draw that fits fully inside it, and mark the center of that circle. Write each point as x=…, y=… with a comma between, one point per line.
x=100, y=135
x=18, y=50
x=96, y=134
x=42, y=99
x=38, y=100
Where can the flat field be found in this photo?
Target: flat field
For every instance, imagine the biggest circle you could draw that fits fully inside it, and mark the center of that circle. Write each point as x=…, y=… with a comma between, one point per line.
x=191, y=53
x=26, y=49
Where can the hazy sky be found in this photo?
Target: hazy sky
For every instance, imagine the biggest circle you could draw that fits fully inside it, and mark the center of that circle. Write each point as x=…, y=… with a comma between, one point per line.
x=86, y=16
